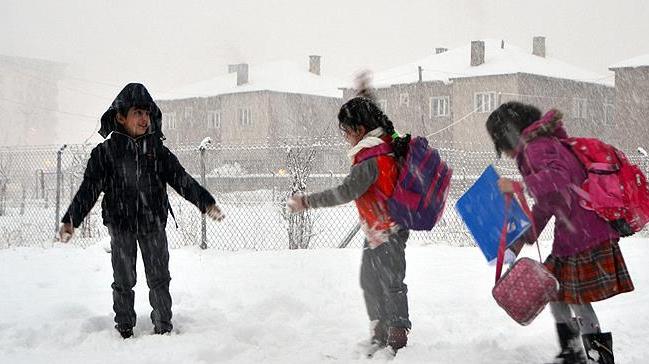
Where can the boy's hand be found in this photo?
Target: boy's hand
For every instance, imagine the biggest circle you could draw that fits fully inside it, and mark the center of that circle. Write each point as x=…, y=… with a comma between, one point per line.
x=296, y=203
x=65, y=232
x=215, y=213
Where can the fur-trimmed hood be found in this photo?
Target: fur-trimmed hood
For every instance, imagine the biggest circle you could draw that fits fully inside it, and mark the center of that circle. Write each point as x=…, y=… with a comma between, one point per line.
x=550, y=124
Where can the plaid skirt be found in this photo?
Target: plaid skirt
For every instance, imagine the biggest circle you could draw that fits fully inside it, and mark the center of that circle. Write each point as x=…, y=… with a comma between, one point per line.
x=593, y=275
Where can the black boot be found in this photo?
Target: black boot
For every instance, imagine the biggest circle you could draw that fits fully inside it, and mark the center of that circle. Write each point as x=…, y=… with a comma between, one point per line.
x=125, y=331
x=161, y=330
x=571, y=349
x=599, y=347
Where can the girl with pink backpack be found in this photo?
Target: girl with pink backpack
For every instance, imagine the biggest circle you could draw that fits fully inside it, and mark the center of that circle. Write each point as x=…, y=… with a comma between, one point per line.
x=585, y=258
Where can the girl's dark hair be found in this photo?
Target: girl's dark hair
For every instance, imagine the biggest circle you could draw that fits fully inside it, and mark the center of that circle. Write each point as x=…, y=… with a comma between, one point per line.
x=363, y=111
x=506, y=123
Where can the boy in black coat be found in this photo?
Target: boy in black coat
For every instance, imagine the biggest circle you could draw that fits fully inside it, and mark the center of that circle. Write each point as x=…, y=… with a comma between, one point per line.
x=132, y=168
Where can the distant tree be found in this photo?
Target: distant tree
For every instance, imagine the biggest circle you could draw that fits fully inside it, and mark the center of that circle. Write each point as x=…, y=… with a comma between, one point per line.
x=299, y=161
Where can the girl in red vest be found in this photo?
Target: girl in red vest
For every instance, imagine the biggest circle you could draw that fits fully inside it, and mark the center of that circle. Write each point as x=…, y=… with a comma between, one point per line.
x=370, y=183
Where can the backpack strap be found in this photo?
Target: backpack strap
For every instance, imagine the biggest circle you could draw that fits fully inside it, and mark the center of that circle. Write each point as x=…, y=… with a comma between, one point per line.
x=588, y=167
x=520, y=196
x=604, y=167
x=367, y=153
x=503, y=238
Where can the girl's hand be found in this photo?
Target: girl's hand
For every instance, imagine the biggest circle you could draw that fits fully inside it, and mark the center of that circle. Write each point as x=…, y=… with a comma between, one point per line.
x=506, y=185
x=296, y=203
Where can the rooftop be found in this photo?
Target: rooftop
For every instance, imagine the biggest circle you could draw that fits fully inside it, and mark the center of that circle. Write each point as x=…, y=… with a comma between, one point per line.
x=500, y=58
x=639, y=61
x=281, y=76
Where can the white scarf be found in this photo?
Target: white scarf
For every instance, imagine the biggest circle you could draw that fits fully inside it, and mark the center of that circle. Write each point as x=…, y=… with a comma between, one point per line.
x=371, y=139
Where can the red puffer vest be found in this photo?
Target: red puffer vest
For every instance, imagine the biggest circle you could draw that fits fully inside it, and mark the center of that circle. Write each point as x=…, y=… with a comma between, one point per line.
x=372, y=205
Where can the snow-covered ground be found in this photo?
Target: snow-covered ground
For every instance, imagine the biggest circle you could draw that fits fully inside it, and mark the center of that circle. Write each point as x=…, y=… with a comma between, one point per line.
x=283, y=307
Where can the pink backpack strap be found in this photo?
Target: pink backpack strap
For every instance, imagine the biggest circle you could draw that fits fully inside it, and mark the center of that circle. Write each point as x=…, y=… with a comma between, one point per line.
x=520, y=197
x=606, y=167
x=367, y=153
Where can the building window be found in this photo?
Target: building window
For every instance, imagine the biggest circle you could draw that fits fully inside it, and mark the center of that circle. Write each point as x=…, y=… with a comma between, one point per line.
x=383, y=104
x=609, y=113
x=214, y=119
x=485, y=101
x=438, y=106
x=244, y=117
x=579, y=108
x=170, y=121
x=404, y=99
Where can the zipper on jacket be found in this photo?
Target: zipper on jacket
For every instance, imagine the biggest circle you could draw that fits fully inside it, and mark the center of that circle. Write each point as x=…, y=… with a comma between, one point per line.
x=137, y=187
x=137, y=175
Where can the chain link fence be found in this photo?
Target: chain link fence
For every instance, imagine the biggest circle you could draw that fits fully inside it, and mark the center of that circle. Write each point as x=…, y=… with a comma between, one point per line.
x=250, y=183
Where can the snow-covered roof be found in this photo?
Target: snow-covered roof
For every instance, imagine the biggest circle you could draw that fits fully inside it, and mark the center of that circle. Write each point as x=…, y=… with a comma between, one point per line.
x=455, y=63
x=280, y=76
x=639, y=61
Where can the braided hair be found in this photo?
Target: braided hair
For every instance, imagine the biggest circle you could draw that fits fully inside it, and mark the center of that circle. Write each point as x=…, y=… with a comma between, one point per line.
x=363, y=110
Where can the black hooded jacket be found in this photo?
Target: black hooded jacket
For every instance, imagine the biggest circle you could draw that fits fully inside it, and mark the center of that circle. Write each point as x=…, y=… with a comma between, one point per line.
x=133, y=173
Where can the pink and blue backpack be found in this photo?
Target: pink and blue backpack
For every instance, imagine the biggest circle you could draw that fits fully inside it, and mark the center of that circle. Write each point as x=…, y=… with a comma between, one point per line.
x=419, y=196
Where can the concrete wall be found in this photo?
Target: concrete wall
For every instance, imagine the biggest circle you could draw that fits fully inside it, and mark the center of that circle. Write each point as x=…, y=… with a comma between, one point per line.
x=632, y=108
x=546, y=93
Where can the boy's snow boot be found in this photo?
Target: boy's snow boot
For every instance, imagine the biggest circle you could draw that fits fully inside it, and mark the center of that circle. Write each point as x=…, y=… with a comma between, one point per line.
x=125, y=332
x=161, y=330
x=571, y=349
x=599, y=347
x=397, y=338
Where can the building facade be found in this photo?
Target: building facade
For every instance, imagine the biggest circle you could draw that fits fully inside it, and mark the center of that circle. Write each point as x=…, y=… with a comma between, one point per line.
x=449, y=95
x=632, y=103
x=28, y=100
x=267, y=106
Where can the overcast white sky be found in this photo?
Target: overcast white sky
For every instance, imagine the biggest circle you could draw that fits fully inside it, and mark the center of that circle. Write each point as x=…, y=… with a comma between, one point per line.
x=171, y=43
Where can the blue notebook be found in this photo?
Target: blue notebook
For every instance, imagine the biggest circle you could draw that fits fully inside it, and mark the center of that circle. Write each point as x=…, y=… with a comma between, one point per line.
x=482, y=208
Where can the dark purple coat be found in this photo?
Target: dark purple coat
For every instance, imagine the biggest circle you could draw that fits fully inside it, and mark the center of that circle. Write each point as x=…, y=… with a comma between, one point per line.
x=549, y=168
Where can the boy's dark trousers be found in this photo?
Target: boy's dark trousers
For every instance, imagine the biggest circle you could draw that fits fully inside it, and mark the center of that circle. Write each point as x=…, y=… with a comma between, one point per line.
x=383, y=270
x=155, y=256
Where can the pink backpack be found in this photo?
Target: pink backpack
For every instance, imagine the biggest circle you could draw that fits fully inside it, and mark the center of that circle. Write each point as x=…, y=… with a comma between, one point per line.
x=527, y=287
x=615, y=189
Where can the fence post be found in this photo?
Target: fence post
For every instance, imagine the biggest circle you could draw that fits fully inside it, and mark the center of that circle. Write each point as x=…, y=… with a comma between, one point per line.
x=202, y=148
x=42, y=184
x=273, y=183
x=643, y=153
x=59, y=174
